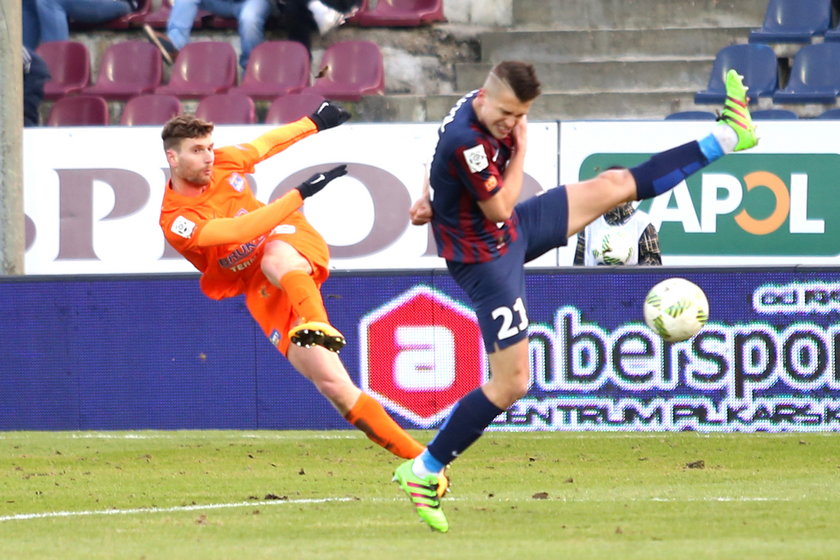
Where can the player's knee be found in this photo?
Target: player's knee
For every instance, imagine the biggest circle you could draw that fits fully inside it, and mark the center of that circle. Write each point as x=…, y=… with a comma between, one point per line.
x=617, y=177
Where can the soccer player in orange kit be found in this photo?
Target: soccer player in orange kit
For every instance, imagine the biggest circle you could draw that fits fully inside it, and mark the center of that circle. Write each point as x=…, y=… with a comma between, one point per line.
x=269, y=253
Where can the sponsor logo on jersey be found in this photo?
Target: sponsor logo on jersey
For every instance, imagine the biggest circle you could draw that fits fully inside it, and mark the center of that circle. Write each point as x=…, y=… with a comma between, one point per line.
x=237, y=181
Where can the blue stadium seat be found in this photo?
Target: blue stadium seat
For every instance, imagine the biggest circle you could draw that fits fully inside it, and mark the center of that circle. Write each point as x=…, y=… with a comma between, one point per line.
x=793, y=21
x=758, y=65
x=833, y=114
x=691, y=116
x=814, y=77
x=833, y=34
x=774, y=115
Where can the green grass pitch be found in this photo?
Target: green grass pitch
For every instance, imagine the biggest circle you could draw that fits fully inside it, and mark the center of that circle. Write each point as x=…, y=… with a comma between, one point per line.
x=327, y=495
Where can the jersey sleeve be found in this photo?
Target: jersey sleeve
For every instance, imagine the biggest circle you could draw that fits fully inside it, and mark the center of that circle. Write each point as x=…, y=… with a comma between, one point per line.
x=475, y=164
x=182, y=229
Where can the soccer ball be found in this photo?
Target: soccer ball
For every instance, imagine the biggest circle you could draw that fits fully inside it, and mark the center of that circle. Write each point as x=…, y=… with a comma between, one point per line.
x=676, y=309
x=614, y=247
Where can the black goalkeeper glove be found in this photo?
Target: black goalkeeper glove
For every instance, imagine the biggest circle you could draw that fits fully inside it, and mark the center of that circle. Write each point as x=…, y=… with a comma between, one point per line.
x=320, y=180
x=328, y=115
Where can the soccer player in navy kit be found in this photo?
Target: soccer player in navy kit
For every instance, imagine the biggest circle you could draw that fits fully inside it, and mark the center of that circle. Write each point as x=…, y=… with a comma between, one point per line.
x=476, y=177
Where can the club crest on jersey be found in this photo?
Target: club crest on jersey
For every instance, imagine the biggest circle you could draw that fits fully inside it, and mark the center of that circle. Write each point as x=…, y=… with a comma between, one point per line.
x=183, y=227
x=476, y=158
x=275, y=337
x=237, y=181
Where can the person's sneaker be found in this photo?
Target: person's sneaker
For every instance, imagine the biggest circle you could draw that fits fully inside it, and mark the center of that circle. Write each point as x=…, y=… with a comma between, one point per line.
x=325, y=17
x=315, y=333
x=423, y=493
x=162, y=42
x=736, y=112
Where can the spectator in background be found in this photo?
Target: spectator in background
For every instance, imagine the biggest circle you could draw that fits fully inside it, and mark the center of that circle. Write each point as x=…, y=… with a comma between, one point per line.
x=251, y=16
x=54, y=16
x=35, y=75
x=623, y=235
x=304, y=17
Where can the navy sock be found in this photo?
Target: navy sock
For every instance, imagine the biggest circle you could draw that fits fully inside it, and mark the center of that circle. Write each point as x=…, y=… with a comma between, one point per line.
x=465, y=424
x=665, y=170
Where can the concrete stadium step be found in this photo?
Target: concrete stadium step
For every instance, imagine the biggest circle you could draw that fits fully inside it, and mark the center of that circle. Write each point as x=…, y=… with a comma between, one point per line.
x=625, y=44
x=637, y=14
x=689, y=74
x=561, y=106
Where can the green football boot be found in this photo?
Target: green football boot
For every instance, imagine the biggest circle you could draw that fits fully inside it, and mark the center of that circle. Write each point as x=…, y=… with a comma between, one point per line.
x=736, y=112
x=423, y=493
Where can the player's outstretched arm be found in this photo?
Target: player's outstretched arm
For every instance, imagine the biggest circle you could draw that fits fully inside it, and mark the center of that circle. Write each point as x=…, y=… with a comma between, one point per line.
x=261, y=221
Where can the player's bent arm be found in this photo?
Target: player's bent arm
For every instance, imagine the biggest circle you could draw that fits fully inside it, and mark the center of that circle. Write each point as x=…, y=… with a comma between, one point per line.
x=249, y=226
x=499, y=207
x=421, y=212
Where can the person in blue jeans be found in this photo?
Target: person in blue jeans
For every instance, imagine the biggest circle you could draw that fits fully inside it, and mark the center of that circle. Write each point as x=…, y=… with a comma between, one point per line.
x=49, y=20
x=251, y=16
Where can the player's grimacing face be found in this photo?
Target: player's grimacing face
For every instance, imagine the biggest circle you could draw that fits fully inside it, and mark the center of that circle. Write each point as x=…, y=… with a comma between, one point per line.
x=193, y=161
x=500, y=110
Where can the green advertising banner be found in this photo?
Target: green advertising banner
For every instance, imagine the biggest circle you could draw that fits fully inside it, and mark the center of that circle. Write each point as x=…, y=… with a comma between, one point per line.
x=750, y=204
x=775, y=204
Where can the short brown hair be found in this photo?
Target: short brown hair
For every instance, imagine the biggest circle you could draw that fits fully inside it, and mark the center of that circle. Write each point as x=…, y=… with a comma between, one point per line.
x=520, y=76
x=181, y=127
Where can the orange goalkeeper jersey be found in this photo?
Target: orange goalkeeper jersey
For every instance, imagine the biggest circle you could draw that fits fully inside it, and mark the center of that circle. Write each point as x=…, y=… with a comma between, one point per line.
x=225, y=268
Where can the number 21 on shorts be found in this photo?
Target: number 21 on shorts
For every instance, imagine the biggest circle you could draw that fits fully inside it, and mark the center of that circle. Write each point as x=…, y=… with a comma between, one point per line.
x=508, y=316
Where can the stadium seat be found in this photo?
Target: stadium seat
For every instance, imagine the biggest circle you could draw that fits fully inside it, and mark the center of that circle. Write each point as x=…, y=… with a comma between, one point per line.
x=127, y=69
x=266, y=79
x=202, y=68
x=774, y=115
x=400, y=13
x=349, y=70
x=150, y=109
x=833, y=114
x=793, y=21
x=227, y=108
x=289, y=108
x=131, y=19
x=691, y=116
x=758, y=65
x=79, y=110
x=69, y=65
x=814, y=76
x=833, y=34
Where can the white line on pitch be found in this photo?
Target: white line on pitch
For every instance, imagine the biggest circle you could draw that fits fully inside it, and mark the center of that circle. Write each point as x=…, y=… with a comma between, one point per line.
x=196, y=507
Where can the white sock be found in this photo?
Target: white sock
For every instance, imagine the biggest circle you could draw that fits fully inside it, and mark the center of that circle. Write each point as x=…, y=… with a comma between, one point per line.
x=726, y=137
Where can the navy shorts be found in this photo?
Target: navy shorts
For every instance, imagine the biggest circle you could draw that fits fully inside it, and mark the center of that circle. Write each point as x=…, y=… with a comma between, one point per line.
x=497, y=287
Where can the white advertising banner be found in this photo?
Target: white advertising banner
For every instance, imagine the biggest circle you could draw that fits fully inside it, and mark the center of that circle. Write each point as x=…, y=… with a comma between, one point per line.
x=92, y=195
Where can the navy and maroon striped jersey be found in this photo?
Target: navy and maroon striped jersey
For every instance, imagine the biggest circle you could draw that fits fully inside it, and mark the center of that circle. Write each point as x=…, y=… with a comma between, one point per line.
x=467, y=167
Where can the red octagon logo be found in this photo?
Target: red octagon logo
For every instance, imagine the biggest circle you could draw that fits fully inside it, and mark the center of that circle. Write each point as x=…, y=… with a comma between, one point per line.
x=421, y=352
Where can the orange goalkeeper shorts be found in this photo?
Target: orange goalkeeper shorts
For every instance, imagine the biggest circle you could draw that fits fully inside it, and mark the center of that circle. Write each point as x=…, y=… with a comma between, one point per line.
x=267, y=303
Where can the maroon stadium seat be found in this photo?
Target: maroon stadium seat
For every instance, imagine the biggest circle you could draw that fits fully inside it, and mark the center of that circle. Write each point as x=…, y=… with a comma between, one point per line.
x=150, y=109
x=400, y=13
x=349, y=70
x=265, y=78
x=69, y=65
x=126, y=70
x=202, y=68
x=289, y=108
x=79, y=110
x=227, y=108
